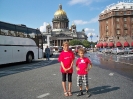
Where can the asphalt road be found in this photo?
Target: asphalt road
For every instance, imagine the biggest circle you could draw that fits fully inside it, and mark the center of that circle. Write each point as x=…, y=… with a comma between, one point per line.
x=42, y=80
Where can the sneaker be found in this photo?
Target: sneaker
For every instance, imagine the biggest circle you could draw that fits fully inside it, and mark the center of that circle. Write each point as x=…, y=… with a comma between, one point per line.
x=80, y=93
x=88, y=94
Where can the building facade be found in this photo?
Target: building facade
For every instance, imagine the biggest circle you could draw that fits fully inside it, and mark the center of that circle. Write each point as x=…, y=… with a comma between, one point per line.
x=60, y=31
x=116, y=25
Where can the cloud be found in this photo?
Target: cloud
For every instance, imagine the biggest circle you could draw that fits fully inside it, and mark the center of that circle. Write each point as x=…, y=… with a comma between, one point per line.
x=93, y=20
x=89, y=31
x=84, y=2
x=81, y=22
x=43, y=28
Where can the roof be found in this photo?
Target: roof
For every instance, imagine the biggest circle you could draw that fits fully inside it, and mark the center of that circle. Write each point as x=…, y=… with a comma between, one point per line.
x=120, y=5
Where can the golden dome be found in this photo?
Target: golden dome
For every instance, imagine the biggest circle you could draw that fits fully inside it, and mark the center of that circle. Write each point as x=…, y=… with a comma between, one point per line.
x=60, y=12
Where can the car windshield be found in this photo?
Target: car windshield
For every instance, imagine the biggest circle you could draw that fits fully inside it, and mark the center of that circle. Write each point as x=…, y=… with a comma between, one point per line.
x=120, y=48
x=130, y=48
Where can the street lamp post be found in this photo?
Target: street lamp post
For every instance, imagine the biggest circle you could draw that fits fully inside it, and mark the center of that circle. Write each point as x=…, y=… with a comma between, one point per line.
x=91, y=36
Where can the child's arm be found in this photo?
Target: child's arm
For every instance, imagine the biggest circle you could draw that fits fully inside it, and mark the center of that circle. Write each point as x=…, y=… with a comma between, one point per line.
x=89, y=66
x=63, y=66
x=70, y=66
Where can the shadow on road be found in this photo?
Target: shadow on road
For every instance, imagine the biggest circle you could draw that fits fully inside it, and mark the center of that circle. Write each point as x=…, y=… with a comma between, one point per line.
x=13, y=68
x=100, y=90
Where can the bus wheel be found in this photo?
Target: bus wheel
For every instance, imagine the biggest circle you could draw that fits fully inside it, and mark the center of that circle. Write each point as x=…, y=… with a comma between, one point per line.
x=29, y=58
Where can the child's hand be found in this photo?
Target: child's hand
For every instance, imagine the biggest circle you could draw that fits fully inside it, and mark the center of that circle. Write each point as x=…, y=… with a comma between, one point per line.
x=77, y=68
x=65, y=69
x=90, y=66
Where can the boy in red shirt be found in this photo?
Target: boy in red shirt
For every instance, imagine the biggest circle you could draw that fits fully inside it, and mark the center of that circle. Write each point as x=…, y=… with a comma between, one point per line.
x=66, y=58
x=82, y=71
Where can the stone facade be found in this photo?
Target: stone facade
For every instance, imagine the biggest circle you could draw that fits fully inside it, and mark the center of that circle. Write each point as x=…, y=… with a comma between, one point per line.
x=116, y=25
x=60, y=31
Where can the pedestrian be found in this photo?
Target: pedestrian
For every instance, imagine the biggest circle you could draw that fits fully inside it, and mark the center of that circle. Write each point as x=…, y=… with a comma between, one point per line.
x=82, y=71
x=47, y=53
x=66, y=59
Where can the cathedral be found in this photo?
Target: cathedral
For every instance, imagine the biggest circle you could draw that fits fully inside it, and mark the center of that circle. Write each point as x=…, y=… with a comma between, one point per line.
x=60, y=31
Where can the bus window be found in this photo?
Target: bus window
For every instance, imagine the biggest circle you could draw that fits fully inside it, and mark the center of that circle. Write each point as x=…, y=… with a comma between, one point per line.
x=32, y=33
x=21, y=31
x=7, y=29
x=39, y=36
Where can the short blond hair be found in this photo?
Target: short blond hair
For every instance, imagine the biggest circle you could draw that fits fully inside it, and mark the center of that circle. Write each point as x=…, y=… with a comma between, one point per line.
x=66, y=42
x=81, y=50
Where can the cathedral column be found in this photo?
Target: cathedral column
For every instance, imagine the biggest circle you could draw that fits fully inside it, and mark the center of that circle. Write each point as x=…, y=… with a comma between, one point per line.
x=60, y=42
x=54, y=43
x=57, y=42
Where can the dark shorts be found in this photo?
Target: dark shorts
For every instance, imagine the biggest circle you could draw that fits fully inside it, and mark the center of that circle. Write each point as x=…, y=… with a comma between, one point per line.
x=69, y=77
x=82, y=79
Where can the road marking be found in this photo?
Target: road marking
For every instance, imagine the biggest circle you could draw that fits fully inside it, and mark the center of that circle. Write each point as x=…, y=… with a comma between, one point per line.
x=111, y=74
x=54, y=74
x=43, y=95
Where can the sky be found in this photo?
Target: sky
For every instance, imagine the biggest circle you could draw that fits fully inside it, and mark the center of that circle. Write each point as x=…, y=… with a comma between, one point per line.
x=38, y=13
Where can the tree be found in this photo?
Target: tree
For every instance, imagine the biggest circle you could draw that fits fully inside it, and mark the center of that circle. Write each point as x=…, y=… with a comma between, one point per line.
x=86, y=43
x=75, y=42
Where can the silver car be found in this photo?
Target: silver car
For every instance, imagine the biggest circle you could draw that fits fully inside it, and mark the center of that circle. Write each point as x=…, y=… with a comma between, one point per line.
x=118, y=50
x=128, y=50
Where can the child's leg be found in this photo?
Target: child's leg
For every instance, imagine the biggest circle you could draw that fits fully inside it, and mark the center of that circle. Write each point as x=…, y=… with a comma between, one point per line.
x=69, y=81
x=64, y=81
x=85, y=80
x=79, y=84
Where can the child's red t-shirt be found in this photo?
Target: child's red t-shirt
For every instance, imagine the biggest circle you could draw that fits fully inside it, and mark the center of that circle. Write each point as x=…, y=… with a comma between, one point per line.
x=82, y=64
x=66, y=58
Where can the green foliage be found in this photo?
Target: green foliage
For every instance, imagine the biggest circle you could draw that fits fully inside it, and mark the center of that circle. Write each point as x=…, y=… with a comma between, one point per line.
x=75, y=42
x=85, y=43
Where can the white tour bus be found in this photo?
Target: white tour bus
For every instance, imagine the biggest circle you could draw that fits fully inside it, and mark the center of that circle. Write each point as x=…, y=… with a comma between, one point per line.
x=19, y=43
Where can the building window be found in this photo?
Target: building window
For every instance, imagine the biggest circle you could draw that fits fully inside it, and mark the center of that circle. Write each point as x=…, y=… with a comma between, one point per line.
x=117, y=19
x=107, y=33
x=125, y=19
x=107, y=27
x=132, y=19
x=118, y=31
x=118, y=26
x=125, y=31
x=124, y=7
x=131, y=7
x=125, y=12
x=117, y=13
x=107, y=22
x=125, y=25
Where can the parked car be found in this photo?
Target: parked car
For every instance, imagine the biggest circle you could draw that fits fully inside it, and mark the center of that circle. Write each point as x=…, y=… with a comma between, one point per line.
x=100, y=50
x=60, y=49
x=118, y=50
x=104, y=50
x=128, y=50
x=72, y=48
x=108, y=50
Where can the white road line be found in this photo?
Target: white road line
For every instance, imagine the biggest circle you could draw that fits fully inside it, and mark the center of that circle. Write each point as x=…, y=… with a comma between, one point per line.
x=111, y=74
x=43, y=95
x=54, y=74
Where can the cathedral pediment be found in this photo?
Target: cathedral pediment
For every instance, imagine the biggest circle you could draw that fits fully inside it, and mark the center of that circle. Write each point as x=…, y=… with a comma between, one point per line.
x=61, y=35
